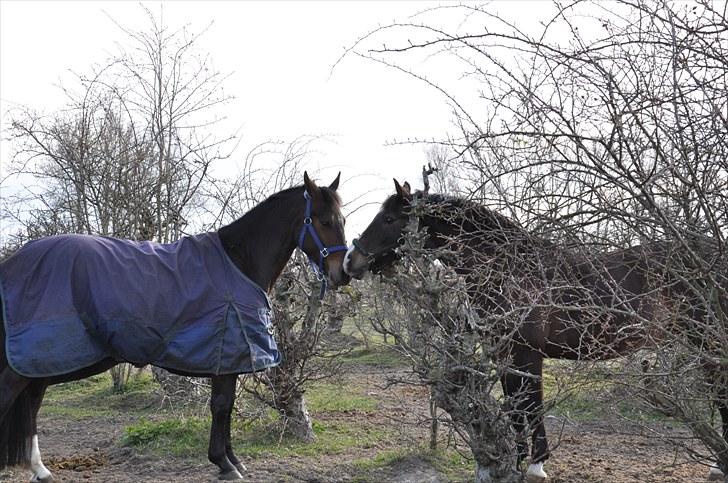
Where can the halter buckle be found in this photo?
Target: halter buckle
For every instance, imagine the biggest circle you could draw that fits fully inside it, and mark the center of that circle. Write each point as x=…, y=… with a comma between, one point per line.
x=324, y=252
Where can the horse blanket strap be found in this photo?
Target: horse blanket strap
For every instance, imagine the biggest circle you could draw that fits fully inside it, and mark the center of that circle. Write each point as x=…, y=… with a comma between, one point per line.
x=324, y=251
x=73, y=300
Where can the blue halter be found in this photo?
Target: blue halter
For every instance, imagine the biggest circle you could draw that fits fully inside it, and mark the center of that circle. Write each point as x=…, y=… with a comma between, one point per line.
x=324, y=251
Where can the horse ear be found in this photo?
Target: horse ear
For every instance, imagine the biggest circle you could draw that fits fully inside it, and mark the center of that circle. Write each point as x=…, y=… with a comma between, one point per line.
x=403, y=191
x=335, y=185
x=309, y=184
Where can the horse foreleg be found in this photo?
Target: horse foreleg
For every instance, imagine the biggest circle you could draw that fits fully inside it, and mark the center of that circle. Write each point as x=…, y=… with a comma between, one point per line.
x=221, y=400
x=717, y=473
x=539, y=444
x=527, y=391
x=228, y=443
x=41, y=474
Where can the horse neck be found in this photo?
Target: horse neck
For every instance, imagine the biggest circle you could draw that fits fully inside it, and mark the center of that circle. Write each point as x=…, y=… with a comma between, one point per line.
x=472, y=235
x=439, y=232
x=262, y=241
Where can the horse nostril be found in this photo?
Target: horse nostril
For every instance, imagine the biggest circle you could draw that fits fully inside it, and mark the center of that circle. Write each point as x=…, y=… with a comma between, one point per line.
x=344, y=278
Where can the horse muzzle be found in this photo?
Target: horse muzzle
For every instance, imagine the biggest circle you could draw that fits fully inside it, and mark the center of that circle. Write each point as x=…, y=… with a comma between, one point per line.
x=355, y=263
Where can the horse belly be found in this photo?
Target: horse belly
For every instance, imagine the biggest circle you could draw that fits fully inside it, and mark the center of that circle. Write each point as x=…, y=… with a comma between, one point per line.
x=599, y=339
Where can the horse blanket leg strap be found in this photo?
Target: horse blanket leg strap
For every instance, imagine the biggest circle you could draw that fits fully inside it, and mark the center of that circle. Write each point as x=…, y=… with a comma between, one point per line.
x=70, y=301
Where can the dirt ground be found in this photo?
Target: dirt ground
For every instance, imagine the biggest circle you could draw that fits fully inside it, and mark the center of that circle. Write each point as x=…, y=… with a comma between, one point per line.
x=89, y=450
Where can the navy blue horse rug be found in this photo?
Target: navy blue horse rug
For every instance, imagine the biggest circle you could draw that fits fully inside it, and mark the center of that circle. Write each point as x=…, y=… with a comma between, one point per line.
x=73, y=300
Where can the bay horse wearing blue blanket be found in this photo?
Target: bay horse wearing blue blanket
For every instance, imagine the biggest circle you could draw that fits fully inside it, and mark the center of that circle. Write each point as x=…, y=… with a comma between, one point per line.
x=76, y=305
x=591, y=307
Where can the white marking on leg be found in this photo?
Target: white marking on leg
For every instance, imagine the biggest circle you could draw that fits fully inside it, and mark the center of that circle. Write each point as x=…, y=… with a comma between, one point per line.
x=715, y=473
x=40, y=472
x=347, y=260
x=535, y=472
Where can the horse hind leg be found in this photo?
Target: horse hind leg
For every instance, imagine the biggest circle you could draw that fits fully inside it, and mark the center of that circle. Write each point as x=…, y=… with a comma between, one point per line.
x=535, y=472
x=41, y=474
x=512, y=385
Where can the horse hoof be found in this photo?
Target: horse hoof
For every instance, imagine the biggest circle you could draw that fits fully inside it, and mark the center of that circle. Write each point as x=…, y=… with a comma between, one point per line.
x=231, y=475
x=535, y=473
x=47, y=479
x=241, y=468
x=715, y=474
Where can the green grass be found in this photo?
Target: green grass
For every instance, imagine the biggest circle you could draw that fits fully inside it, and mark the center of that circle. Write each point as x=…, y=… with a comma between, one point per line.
x=180, y=437
x=591, y=395
x=449, y=463
x=331, y=397
x=94, y=397
x=383, y=458
x=188, y=437
x=381, y=356
x=170, y=433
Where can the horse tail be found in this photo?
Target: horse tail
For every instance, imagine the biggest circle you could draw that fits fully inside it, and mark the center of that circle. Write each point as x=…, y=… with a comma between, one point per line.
x=16, y=432
x=16, y=428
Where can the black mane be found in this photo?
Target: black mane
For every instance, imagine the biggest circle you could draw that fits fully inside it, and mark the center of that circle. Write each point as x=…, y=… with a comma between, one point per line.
x=459, y=216
x=279, y=203
x=247, y=243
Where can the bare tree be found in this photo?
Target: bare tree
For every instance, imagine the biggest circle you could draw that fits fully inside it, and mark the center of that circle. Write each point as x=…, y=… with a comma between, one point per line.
x=301, y=326
x=129, y=153
x=603, y=130
x=426, y=308
x=301, y=321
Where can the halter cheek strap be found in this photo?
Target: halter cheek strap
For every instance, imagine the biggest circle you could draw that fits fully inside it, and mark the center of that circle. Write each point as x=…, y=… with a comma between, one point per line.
x=324, y=251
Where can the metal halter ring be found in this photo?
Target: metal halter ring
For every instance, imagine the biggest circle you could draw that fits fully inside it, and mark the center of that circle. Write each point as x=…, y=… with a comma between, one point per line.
x=324, y=252
x=307, y=220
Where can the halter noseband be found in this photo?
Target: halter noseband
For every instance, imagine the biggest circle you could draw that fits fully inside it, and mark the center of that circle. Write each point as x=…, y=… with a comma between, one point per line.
x=372, y=255
x=324, y=251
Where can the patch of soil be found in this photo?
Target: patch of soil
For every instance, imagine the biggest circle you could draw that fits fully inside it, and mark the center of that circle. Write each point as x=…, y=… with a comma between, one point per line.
x=597, y=451
x=409, y=470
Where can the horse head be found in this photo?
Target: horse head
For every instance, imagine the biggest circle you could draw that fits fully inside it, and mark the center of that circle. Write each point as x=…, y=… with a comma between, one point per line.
x=322, y=238
x=375, y=249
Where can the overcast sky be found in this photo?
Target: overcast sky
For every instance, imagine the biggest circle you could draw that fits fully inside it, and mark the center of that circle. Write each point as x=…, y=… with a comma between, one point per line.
x=281, y=55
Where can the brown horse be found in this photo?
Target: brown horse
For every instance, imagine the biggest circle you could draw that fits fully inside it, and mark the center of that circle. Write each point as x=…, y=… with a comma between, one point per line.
x=570, y=305
x=252, y=252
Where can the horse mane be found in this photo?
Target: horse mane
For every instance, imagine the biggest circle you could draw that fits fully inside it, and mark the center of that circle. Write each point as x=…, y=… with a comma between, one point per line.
x=280, y=201
x=247, y=240
x=469, y=217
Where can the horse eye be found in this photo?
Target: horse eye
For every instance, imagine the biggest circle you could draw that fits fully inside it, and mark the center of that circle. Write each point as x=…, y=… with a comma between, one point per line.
x=325, y=223
x=388, y=219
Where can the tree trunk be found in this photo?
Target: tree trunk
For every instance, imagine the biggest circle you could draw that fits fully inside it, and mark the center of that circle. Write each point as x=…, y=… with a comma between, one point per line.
x=434, y=422
x=176, y=388
x=120, y=376
x=496, y=474
x=297, y=420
